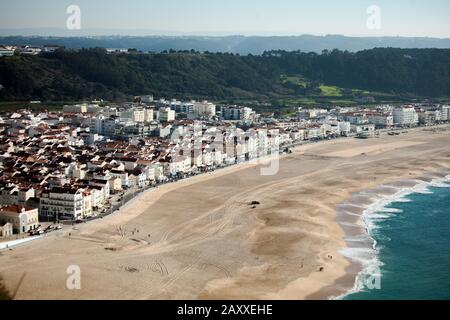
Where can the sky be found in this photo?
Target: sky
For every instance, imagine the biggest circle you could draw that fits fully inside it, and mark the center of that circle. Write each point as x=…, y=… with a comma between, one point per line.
x=232, y=17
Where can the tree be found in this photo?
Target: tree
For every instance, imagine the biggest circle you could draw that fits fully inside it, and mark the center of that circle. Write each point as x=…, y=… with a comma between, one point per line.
x=90, y=73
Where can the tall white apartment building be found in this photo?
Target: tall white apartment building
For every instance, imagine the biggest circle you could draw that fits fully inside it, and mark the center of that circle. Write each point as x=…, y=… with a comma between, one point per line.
x=166, y=115
x=204, y=109
x=405, y=116
x=134, y=114
x=187, y=108
x=237, y=113
x=149, y=115
x=445, y=113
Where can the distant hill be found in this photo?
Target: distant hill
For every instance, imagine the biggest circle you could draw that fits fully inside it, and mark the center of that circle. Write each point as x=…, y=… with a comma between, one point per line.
x=338, y=75
x=234, y=44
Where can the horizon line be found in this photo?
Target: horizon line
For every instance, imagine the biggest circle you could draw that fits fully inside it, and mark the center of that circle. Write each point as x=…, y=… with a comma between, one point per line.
x=176, y=34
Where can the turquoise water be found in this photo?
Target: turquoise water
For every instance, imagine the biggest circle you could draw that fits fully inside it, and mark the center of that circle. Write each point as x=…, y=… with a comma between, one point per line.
x=414, y=248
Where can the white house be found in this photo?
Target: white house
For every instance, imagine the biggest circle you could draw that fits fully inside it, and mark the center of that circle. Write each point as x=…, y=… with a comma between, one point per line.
x=23, y=219
x=6, y=230
x=122, y=175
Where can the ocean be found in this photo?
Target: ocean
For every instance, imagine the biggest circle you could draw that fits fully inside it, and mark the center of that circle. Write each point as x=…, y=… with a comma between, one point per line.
x=412, y=247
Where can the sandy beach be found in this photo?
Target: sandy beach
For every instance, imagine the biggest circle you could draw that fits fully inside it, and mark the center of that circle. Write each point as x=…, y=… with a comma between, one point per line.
x=201, y=239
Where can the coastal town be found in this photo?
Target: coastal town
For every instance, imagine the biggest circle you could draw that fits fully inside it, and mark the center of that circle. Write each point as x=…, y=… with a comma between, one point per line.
x=87, y=160
x=218, y=159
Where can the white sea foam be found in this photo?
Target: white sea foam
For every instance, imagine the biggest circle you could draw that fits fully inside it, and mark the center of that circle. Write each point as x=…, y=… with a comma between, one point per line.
x=378, y=216
x=440, y=184
x=378, y=211
x=402, y=200
x=361, y=255
x=391, y=210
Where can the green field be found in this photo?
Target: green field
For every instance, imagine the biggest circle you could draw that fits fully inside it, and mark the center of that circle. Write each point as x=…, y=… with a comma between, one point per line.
x=331, y=91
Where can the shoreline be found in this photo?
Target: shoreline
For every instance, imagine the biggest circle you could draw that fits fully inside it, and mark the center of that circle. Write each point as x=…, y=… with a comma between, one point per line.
x=362, y=249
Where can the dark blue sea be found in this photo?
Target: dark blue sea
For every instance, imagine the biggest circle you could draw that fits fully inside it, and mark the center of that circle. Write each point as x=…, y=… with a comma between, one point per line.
x=413, y=244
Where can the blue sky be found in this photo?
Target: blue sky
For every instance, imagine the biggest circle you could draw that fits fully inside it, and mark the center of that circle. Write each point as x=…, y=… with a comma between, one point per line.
x=248, y=17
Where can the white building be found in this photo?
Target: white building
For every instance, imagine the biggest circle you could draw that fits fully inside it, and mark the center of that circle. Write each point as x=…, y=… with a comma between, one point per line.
x=166, y=115
x=115, y=185
x=365, y=130
x=445, y=113
x=77, y=108
x=430, y=117
x=355, y=118
x=149, y=115
x=381, y=120
x=311, y=113
x=344, y=128
x=179, y=164
x=122, y=175
x=405, y=116
x=6, y=51
x=187, y=108
x=204, y=109
x=30, y=51
x=237, y=113
x=23, y=219
x=15, y=195
x=109, y=111
x=104, y=188
x=6, y=230
x=63, y=202
x=134, y=114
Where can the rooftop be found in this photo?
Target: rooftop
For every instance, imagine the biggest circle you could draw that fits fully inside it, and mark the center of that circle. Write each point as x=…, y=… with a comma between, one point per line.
x=15, y=209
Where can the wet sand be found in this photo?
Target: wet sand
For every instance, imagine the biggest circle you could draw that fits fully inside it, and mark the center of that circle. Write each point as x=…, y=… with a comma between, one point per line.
x=200, y=238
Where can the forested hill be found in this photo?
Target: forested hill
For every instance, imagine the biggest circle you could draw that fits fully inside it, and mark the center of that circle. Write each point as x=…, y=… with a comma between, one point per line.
x=92, y=73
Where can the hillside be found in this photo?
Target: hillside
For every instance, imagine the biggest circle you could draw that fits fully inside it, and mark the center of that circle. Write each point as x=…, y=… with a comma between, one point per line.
x=338, y=75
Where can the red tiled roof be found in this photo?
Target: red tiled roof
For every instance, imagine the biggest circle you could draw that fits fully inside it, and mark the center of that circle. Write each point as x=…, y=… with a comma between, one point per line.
x=15, y=209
